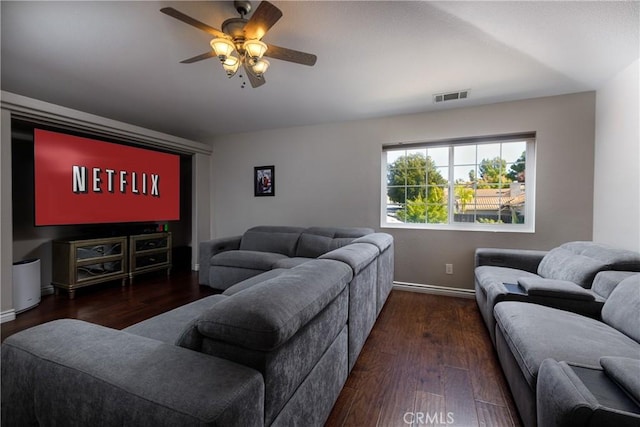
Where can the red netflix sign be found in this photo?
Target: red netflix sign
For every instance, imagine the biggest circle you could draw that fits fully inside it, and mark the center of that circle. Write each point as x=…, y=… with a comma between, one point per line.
x=84, y=181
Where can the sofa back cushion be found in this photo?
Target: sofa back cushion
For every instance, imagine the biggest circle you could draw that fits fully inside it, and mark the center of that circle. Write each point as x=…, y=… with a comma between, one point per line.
x=315, y=241
x=278, y=239
x=356, y=255
x=606, y=281
x=613, y=258
x=622, y=308
x=266, y=315
x=579, y=262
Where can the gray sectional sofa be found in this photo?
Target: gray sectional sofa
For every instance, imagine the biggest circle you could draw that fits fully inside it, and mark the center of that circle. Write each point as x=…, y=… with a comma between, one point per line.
x=273, y=349
x=566, y=327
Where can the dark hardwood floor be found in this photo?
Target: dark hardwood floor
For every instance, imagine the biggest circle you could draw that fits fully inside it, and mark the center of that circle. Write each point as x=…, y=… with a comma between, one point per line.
x=115, y=306
x=428, y=360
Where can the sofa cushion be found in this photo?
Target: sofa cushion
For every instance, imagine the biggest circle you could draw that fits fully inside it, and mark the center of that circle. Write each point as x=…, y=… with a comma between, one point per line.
x=266, y=315
x=174, y=326
x=382, y=240
x=564, y=264
x=625, y=372
x=282, y=240
x=313, y=245
x=247, y=259
x=106, y=377
x=487, y=274
x=356, y=255
x=315, y=241
x=535, y=332
x=614, y=258
x=291, y=262
x=252, y=281
x=622, y=308
x=537, y=286
x=606, y=281
x=339, y=232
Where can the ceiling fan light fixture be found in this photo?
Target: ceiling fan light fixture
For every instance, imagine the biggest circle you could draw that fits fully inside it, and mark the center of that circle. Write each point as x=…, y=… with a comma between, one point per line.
x=254, y=49
x=260, y=67
x=231, y=65
x=222, y=47
x=239, y=44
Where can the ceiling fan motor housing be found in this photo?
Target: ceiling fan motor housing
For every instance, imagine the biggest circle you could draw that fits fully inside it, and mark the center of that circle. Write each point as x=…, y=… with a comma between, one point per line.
x=234, y=27
x=243, y=7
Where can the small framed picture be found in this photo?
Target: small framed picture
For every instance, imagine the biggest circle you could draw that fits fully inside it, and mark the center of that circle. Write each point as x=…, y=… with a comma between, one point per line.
x=263, y=181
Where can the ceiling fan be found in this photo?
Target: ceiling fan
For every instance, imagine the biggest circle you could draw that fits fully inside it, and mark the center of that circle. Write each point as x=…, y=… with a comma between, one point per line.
x=240, y=41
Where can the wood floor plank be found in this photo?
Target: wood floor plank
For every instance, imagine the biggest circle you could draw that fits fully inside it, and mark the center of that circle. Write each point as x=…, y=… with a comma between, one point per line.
x=485, y=376
x=399, y=396
x=459, y=401
x=494, y=415
x=428, y=406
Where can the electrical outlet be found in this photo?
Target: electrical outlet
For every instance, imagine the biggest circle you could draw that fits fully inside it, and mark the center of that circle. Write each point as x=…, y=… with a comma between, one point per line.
x=448, y=268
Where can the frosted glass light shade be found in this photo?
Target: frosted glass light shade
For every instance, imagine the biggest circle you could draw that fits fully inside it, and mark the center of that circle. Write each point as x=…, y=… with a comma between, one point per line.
x=255, y=49
x=231, y=65
x=260, y=67
x=223, y=48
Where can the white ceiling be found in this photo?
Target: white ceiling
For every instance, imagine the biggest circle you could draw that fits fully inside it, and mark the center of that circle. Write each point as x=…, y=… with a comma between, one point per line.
x=121, y=59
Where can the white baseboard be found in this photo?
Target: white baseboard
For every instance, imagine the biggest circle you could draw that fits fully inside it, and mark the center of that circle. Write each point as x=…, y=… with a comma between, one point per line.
x=196, y=267
x=435, y=290
x=7, y=316
x=46, y=290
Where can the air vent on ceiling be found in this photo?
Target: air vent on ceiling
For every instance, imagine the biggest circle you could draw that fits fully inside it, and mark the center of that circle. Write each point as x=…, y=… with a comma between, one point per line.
x=450, y=96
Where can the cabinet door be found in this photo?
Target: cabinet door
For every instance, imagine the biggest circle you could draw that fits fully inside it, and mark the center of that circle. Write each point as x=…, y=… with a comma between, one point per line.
x=96, y=270
x=159, y=258
x=87, y=251
x=160, y=242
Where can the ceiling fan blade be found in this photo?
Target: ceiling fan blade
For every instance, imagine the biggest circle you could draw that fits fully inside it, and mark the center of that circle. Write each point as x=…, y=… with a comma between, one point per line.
x=193, y=22
x=206, y=55
x=253, y=79
x=290, y=55
x=262, y=19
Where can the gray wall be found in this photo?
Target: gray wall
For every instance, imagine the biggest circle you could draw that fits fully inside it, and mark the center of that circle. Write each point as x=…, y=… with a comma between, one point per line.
x=617, y=172
x=330, y=175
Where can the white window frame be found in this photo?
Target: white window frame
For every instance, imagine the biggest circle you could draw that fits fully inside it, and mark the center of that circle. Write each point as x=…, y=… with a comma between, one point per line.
x=527, y=227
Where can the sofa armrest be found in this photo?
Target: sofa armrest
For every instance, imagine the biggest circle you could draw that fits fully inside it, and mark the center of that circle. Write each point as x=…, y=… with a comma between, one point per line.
x=209, y=248
x=75, y=373
x=537, y=286
x=520, y=259
x=566, y=396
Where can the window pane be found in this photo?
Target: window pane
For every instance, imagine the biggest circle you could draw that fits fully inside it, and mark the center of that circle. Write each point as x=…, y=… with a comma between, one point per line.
x=488, y=151
x=488, y=185
x=439, y=156
x=415, y=208
x=437, y=214
x=511, y=151
x=464, y=155
x=464, y=174
x=394, y=156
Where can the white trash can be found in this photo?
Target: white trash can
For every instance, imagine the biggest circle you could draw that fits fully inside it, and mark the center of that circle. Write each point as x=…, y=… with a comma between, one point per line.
x=26, y=284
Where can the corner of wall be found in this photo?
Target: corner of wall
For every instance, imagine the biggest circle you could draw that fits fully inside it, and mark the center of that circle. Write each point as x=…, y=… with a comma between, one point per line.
x=617, y=154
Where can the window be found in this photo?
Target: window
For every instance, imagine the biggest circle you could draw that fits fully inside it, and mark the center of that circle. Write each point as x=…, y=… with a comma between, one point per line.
x=465, y=184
